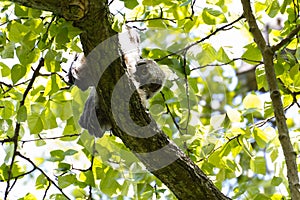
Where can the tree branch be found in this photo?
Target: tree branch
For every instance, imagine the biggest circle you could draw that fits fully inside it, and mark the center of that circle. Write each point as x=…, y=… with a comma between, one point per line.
x=268, y=55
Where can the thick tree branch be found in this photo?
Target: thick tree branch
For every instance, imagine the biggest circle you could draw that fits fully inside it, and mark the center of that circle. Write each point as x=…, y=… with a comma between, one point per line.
x=268, y=55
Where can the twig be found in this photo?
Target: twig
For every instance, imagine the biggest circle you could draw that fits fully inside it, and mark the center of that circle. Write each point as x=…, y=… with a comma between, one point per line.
x=50, y=138
x=47, y=189
x=151, y=19
x=203, y=39
x=227, y=63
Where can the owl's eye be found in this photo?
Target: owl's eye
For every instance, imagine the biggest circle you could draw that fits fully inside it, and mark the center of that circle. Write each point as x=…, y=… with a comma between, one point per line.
x=144, y=71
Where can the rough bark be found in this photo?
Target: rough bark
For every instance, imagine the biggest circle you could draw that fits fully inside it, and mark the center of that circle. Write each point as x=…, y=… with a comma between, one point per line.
x=160, y=155
x=268, y=56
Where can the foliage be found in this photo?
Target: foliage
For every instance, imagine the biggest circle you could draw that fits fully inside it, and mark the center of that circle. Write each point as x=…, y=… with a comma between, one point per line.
x=228, y=133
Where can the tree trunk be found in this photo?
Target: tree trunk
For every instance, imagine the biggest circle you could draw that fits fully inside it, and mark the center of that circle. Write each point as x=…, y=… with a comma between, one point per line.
x=157, y=152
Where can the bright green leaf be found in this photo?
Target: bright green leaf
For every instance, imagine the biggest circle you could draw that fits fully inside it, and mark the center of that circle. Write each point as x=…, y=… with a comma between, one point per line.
x=8, y=51
x=216, y=121
x=7, y=109
x=22, y=114
x=41, y=182
x=252, y=54
x=252, y=101
x=29, y=196
x=258, y=165
x=222, y=56
x=234, y=115
x=109, y=185
x=52, y=61
x=17, y=72
x=130, y=4
x=207, y=55
x=52, y=85
x=276, y=181
x=17, y=31
x=35, y=123
x=261, y=78
x=49, y=120
x=4, y=70
x=67, y=180
x=273, y=9
x=70, y=152
x=260, y=137
x=212, y=17
x=57, y=155
x=27, y=55
x=64, y=166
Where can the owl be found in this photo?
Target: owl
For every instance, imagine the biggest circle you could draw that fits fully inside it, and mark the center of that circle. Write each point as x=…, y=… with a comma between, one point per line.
x=145, y=74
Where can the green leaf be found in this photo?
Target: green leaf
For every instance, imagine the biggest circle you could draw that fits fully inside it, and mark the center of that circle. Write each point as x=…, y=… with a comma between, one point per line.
x=212, y=17
x=261, y=78
x=186, y=3
x=52, y=61
x=22, y=114
x=252, y=53
x=260, y=137
x=17, y=31
x=21, y=11
x=4, y=70
x=35, y=123
x=268, y=109
x=273, y=9
x=17, y=72
x=284, y=5
x=234, y=115
x=41, y=182
x=48, y=119
x=52, y=85
x=207, y=55
x=216, y=121
x=151, y=3
x=222, y=56
x=252, y=101
x=67, y=180
x=7, y=109
x=87, y=177
x=8, y=51
x=261, y=197
x=57, y=155
x=27, y=55
x=29, y=196
x=130, y=4
x=64, y=166
x=70, y=152
x=108, y=184
x=258, y=165
x=62, y=36
x=276, y=181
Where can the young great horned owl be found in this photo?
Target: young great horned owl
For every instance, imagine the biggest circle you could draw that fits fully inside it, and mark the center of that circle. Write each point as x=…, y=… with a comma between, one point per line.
x=148, y=78
x=146, y=75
